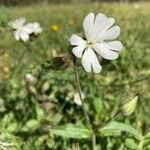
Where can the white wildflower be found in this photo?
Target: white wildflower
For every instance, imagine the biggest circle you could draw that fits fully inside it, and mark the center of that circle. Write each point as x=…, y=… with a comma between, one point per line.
x=30, y=78
x=77, y=99
x=99, y=34
x=22, y=30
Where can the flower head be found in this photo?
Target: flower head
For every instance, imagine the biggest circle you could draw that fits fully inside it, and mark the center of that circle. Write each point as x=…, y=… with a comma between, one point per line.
x=71, y=22
x=22, y=31
x=99, y=36
x=30, y=78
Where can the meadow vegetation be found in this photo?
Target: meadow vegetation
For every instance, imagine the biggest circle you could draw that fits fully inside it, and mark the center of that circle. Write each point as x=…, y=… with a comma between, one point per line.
x=27, y=113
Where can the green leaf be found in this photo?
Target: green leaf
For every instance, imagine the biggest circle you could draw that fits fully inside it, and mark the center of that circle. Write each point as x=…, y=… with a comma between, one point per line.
x=40, y=114
x=146, y=142
x=31, y=125
x=72, y=131
x=4, y=15
x=55, y=119
x=114, y=128
x=98, y=105
x=130, y=143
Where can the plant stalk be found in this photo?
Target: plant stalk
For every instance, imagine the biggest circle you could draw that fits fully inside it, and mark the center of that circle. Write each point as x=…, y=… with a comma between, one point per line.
x=83, y=106
x=19, y=63
x=93, y=141
x=80, y=95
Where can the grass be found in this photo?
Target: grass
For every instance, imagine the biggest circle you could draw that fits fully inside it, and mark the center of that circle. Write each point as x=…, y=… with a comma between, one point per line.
x=118, y=80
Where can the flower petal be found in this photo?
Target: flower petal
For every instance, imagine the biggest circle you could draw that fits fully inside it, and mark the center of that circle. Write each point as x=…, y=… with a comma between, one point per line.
x=24, y=36
x=78, y=50
x=103, y=50
x=36, y=29
x=76, y=40
x=110, y=34
x=28, y=28
x=115, y=45
x=102, y=23
x=17, y=36
x=88, y=25
x=90, y=60
x=18, y=23
x=77, y=99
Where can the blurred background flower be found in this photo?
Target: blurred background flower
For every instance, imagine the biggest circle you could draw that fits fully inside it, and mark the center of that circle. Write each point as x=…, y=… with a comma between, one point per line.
x=54, y=27
x=71, y=23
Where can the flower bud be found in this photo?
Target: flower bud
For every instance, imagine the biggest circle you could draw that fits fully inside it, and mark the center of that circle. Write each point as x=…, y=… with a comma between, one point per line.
x=61, y=62
x=128, y=106
x=32, y=90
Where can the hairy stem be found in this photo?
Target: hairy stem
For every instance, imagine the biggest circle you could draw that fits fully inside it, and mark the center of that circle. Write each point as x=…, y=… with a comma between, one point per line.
x=83, y=106
x=80, y=95
x=93, y=141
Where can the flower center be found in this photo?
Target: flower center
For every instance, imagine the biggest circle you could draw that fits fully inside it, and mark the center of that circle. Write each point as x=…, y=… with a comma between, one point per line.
x=90, y=43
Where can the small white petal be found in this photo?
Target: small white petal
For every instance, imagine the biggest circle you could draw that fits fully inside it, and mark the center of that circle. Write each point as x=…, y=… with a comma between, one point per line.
x=115, y=45
x=36, y=29
x=110, y=34
x=77, y=99
x=28, y=28
x=76, y=40
x=22, y=20
x=24, y=36
x=102, y=23
x=85, y=61
x=18, y=23
x=105, y=52
x=95, y=63
x=89, y=60
x=88, y=25
x=17, y=36
x=78, y=50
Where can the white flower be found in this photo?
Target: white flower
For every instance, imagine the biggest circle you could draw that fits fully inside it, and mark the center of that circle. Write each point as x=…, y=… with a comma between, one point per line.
x=36, y=29
x=99, y=34
x=77, y=99
x=30, y=78
x=22, y=31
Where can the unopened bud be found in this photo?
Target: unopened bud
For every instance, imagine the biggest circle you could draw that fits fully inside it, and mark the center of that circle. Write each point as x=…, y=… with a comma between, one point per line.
x=45, y=86
x=61, y=62
x=32, y=90
x=128, y=106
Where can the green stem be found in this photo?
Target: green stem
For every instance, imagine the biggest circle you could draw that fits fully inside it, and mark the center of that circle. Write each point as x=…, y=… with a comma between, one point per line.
x=80, y=95
x=83, y=106
x=93, y=141
x=140, y=146
x=19, y=62
x=27, y=48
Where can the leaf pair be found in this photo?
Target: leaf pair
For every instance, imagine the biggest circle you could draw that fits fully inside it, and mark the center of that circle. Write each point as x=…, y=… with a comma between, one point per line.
x=81, y=132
